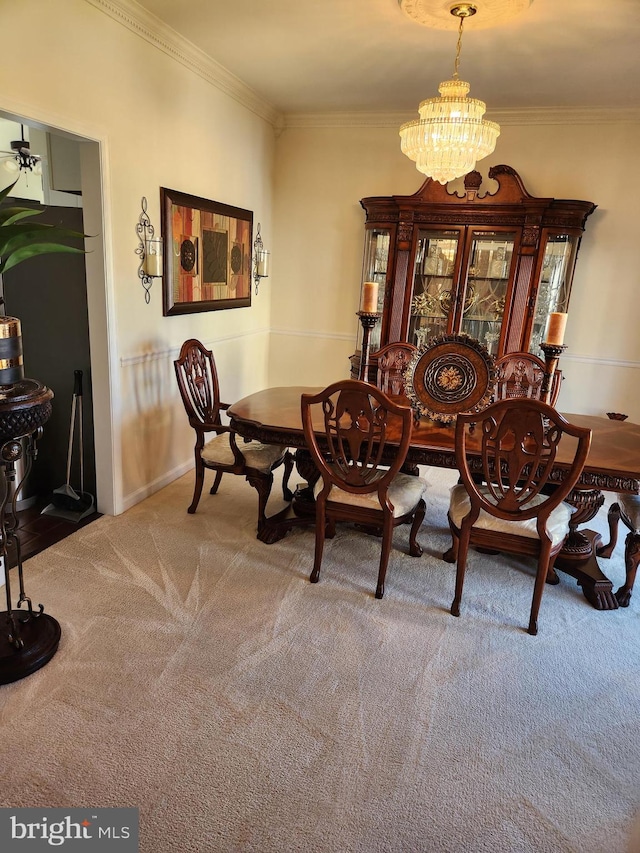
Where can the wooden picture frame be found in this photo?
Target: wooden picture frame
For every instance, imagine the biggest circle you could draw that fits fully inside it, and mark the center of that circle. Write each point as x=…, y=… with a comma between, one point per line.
x=207, y=254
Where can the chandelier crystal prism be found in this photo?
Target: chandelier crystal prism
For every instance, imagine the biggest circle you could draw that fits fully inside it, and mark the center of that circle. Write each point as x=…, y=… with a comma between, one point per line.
x=451, y=133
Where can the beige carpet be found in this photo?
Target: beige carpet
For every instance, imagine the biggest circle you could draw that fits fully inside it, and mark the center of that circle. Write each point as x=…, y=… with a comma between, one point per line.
x=201, y=678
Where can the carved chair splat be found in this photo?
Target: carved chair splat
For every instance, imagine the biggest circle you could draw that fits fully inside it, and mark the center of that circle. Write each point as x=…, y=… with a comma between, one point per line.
x=355, y=484
x=520, y=374
x=511, y=511
x=392, y=362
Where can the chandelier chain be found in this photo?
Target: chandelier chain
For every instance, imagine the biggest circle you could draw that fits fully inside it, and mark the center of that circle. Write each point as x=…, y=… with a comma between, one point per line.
x=456, y=64
x=450, y=134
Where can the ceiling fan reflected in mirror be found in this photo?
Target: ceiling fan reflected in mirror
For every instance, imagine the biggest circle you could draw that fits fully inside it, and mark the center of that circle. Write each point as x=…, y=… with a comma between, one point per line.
x=20, y=158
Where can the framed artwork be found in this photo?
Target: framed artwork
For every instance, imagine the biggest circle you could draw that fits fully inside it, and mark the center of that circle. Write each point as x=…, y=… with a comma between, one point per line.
x=207, y=254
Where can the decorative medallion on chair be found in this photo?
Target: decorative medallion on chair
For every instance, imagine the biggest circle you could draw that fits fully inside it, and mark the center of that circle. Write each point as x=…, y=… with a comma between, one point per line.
x=452, y=374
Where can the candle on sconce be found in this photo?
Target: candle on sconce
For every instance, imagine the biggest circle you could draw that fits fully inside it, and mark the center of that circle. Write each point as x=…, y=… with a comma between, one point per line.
x=556, y=326
x=153, y=266
x=370, y=297
x=263, y=264
x=153, y=259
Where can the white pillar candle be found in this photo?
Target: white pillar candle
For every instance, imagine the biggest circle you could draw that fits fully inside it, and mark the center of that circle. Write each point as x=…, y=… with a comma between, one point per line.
x=370, y=297
x=153, y=259
x=556, y=326
x=263, y=264
x=153, y=266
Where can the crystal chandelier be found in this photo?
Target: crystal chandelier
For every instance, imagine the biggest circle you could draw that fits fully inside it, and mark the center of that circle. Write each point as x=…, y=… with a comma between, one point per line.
x=450, y=134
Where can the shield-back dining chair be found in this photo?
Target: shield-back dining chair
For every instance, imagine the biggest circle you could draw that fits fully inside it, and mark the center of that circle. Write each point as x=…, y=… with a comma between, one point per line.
x=392, y=362
x=520, y=374
x=509, y=510
x=360, y=478
x=199, y=389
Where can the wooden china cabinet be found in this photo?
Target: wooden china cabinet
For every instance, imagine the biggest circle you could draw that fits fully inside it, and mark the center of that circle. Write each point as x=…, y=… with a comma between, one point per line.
x=491, y=264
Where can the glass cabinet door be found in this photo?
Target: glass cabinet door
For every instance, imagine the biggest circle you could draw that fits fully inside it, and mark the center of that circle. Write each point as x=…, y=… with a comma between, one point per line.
x=485, y=294
x=376, y=262
x=433, y=285
x=555, y=284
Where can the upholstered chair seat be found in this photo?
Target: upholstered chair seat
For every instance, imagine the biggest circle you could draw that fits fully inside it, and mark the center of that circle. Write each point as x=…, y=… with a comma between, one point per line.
x=557, y=523
x=261, y=457
x=404, y=493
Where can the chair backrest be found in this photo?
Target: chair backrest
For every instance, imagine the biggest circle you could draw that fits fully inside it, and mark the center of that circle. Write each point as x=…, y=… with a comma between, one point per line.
x=393, y=360
x=520, y=374
x=198, y=383
x=358, y=420
x=519, y=442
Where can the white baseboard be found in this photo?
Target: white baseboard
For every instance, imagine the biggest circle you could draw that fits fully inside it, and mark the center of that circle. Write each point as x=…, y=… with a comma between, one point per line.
x=143, y=492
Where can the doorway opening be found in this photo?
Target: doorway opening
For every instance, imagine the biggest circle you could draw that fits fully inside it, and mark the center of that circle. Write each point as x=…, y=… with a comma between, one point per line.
x=61, y=302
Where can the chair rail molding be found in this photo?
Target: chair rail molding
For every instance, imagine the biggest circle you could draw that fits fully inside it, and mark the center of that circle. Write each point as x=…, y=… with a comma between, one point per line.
x=306, y=333
x=604, y=362
x=173, y=352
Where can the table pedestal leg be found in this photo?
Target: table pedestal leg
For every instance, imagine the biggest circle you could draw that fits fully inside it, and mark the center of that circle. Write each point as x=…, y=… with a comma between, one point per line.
x=578, y=556
x=631, y=553
x=302, y=511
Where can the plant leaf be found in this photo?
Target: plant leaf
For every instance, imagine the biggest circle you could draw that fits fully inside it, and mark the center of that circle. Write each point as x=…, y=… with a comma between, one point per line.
x=21, y=240
x=9, y=215
x=14, y=237
x=35, y=249
x=7, y=190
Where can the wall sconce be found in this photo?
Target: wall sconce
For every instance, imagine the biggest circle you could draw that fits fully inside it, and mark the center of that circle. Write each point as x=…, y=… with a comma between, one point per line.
x=149, y=252
x=260, y=259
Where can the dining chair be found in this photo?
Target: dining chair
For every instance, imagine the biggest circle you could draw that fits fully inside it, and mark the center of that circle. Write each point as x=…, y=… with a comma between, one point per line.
x=520, y=374
x=516, y=443
x=359, y=438
x=200, y=392
x=392, y=362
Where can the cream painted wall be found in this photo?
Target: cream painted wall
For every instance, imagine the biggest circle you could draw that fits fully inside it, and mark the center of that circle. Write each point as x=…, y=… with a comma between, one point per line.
x=158, y=124
x=323, y=172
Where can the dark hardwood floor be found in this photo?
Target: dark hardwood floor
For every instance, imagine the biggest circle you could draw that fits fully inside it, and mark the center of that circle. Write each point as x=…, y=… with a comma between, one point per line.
x=37, y=532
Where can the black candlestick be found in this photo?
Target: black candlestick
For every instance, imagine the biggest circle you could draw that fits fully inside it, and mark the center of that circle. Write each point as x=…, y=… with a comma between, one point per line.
x=552, y=353
x=368, y=320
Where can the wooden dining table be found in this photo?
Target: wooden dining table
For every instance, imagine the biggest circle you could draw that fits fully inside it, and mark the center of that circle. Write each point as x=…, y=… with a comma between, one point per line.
x=273, y=416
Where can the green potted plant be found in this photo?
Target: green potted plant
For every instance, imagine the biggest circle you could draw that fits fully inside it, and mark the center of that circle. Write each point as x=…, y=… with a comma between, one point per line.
x=21, y=239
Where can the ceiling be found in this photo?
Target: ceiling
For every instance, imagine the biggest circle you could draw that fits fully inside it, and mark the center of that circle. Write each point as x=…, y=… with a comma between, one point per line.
x=310, y=56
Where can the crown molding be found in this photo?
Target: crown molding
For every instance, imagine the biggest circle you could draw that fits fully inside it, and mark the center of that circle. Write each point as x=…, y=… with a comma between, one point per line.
x=141, y=22
x=138, y=20
x=506, y=117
